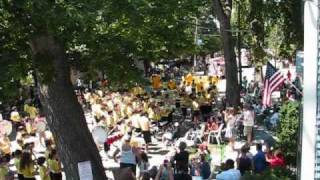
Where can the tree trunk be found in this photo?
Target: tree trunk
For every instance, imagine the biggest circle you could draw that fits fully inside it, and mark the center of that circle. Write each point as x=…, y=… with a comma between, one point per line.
x=231, y=71
x=64, y=114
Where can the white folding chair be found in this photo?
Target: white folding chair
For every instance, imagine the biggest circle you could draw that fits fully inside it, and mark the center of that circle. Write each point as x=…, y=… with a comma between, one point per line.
x=216, y=134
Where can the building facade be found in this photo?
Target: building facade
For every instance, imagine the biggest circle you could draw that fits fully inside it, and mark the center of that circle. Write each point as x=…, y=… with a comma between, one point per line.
x=310, y=130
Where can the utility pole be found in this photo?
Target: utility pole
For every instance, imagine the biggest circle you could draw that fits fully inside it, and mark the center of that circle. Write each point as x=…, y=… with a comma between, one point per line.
x=239, y=48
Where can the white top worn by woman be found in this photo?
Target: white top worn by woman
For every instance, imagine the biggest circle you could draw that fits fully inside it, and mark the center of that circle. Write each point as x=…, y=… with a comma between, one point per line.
x=230, y=126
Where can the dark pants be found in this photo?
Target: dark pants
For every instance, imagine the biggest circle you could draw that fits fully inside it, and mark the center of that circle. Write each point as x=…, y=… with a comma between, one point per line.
x=29, y=178
x=20, y=177
x=131, y=166
x=55, y=176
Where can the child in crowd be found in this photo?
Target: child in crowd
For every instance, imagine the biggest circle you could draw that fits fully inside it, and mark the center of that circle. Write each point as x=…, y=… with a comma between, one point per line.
x=54, y=166
x=27, y=166
x=43, y=170
x=17, y=158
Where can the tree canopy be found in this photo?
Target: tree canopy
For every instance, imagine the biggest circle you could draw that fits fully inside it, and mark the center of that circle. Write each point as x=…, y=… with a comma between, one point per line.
x=98, y=35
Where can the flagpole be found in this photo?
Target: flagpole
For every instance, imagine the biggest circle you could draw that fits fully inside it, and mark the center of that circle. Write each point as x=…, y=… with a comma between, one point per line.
x=295, y=87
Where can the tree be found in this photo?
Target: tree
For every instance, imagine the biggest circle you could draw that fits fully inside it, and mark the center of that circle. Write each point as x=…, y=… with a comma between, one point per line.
x=288, y=131
x=223, y=12
x=46, y=37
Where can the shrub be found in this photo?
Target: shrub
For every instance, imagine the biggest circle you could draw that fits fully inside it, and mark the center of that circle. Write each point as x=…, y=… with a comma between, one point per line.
x=272, y=174
x=287, y=131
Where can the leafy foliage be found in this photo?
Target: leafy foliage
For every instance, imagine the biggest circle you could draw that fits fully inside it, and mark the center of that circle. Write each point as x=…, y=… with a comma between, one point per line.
x=288, y=131
x=272, y=25
x=101, y=36
x=272, y=174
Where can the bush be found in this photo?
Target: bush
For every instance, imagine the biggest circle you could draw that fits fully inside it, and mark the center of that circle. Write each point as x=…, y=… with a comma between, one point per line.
x=287, y=132
x=272, y=174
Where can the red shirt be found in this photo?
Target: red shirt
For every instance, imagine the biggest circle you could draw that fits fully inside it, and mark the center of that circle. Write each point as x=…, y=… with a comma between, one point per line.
x=277, y=162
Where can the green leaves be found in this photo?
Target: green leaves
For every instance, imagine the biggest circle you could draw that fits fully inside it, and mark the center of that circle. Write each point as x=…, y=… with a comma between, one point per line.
x=287, y=131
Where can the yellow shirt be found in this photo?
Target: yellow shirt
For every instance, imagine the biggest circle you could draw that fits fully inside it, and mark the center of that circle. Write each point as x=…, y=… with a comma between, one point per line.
x=17, y=164
x=5, y=145
x=172, y=85
x=189, y=78
x=28, y=172
x=54, y=166
x=32, y=111
x=156, y=81
x=43, y=173
x=3, y=172
x=15, y=116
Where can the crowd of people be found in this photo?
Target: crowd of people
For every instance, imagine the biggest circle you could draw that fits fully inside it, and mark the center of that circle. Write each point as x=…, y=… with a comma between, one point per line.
x=21, y=138
x=127, y=115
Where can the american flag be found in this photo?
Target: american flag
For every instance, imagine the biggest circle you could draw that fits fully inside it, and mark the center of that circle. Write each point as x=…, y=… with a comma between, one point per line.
x=273, y=80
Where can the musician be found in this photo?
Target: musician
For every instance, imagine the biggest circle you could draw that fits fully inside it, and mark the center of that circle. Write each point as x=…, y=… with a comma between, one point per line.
x=31, y=110
x=172, y=85
x=156, y=81
x=189, y=78
x=129, y=154
x=196, y=110
x=109, y=119
x=15, y=116
x=135, y=120
x=145, y=127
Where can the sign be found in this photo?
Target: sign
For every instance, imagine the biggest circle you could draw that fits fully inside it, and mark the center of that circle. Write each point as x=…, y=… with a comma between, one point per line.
x=85, y=170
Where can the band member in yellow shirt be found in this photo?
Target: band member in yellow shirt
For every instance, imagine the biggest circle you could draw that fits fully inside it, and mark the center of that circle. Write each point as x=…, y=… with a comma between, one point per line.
x=156, y=81
x=189, y=78
x=172, y=85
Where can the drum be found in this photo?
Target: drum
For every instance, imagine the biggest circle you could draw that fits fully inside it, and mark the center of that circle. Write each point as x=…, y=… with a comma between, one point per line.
x=99, y=134
x=5, y=127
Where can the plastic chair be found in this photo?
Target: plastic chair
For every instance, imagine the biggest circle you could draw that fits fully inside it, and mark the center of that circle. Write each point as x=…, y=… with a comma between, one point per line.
x=216, y=134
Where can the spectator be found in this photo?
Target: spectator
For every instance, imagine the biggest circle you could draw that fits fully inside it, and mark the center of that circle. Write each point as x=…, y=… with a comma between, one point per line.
x=17, y=158
x=259, y=160
x=275, y=118
x=128, y=155
x=144, y=166
x=277, y=160
x=181, y=158
x=229, y=173
x=165, y=172
x=27, y=166
x=43, y=170
x=204, y=167
x=244, y=161
x=248, y=122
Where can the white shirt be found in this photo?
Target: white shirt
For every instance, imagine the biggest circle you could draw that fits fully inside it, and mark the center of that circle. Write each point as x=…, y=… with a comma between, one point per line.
x=248, y=118
x=231, y=174
x=188, y=90
x=135, y=120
